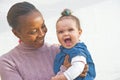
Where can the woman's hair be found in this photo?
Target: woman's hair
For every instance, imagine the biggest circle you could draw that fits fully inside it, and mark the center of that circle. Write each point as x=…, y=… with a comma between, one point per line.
x=18, y=10
x=67, y=14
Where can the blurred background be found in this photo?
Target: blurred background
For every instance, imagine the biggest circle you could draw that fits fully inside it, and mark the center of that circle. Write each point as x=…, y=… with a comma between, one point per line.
x=100, y=21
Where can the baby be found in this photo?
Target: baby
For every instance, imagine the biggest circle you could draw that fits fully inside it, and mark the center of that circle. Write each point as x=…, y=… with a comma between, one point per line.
x=68, y=32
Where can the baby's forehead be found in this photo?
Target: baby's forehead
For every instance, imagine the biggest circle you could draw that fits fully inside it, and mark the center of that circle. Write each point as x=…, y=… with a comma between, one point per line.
x=66, y=20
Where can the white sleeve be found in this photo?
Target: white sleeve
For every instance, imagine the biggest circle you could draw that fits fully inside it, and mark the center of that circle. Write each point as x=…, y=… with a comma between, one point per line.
x=78, y=64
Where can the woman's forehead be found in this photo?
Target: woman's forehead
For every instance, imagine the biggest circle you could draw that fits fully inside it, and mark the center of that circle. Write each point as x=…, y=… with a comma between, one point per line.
x=31, y=17
x=37, y=18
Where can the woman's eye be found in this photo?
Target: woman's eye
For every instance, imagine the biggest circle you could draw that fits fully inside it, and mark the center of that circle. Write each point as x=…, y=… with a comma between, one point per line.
x=33, y=31
x=43, y=26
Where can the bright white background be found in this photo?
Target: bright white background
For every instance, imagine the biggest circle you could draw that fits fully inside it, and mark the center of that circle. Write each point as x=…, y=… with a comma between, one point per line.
x=100, y=21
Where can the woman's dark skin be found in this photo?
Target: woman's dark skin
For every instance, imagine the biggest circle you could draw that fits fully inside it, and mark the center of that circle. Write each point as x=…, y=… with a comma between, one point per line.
x=67, y=65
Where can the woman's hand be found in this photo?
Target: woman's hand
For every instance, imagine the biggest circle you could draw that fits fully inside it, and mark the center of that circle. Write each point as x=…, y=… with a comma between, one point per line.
x=67, y=64
x=84, y=73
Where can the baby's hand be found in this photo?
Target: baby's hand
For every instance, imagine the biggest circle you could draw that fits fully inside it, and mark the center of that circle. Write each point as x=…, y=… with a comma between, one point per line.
x=59, y=77
x=54, y=78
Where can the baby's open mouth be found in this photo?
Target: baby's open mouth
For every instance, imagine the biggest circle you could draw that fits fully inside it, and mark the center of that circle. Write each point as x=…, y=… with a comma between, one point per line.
x=67, y=40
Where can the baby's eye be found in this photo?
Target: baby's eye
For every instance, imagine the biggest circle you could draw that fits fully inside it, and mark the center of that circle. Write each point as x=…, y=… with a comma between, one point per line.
x=59, y=32
x=71, y=30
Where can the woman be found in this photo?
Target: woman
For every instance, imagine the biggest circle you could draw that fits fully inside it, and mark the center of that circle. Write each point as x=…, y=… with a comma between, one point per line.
x=32, y=59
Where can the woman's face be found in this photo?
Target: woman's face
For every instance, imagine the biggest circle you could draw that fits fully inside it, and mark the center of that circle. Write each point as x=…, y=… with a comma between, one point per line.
x=32, y=29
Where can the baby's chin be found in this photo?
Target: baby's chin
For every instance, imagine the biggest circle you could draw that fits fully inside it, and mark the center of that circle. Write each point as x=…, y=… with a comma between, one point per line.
x=68, y=46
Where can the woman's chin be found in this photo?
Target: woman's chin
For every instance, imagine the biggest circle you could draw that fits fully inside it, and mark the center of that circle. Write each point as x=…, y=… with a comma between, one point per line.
x=38, y=45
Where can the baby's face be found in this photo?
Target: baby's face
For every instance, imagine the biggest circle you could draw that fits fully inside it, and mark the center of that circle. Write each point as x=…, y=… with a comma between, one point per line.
x=32, y=29
x=67, y=32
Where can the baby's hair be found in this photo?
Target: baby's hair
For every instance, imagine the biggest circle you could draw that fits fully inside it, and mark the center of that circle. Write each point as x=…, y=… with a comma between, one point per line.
x=67, y=14
x=18, y=10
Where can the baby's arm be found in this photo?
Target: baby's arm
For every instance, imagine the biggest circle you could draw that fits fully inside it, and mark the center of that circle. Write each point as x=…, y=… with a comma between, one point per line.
x=78, y=64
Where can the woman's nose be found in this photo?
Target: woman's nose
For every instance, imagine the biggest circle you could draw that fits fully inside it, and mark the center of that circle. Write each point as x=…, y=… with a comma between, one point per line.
x=41, y=33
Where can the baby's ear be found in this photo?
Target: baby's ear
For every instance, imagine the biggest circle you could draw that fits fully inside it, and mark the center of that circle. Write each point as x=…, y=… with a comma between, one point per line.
x=80, y=31
x=16, y=33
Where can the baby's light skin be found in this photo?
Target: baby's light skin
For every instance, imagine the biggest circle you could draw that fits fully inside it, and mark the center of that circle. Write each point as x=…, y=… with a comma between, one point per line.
x=59, y=77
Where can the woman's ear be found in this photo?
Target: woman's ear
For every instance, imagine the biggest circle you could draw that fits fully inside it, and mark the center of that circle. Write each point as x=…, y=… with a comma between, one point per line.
x=16, y=33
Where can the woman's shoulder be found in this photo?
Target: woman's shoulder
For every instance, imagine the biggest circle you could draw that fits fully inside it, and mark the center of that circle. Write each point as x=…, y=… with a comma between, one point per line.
x=6, y=60
x=8, y=55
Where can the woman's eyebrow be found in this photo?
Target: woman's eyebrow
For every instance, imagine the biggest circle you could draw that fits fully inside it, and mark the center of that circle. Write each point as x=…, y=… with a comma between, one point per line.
x=43, y=22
